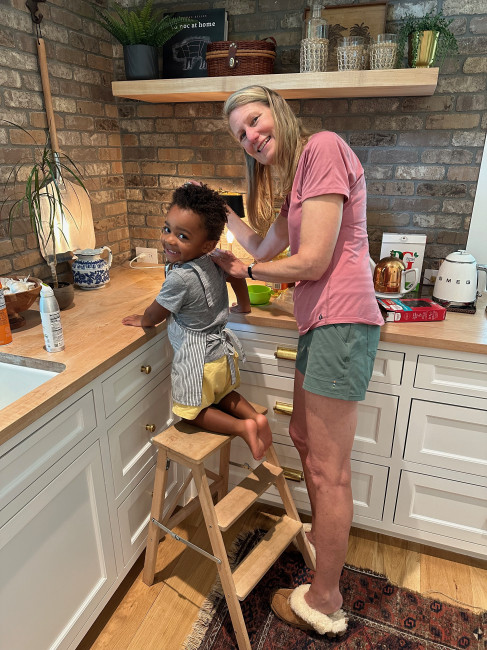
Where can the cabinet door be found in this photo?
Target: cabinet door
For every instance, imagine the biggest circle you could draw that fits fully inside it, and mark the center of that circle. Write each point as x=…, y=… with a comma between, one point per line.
x=369, y=480
x=451, y=376
x=376, y=414
x=436, y=505
x=56, y=558
x=130, y=438
x=135, y=374
x=448, y=436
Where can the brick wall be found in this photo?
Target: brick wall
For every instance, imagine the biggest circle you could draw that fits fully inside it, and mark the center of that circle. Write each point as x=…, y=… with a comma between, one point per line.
x=421, y=155
x=80, y=57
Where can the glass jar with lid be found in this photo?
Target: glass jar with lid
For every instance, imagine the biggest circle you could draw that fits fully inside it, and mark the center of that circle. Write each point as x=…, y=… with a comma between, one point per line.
x=313, y=56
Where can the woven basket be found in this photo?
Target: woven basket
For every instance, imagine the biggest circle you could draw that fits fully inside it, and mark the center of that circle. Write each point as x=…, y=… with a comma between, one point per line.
x=231, y=58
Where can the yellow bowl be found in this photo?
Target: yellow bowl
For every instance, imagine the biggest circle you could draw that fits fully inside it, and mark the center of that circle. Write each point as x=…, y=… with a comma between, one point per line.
x=259, y=294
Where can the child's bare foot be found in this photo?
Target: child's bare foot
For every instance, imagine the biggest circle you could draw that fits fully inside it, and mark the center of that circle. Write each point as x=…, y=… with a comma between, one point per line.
x=251, y=437
x=263, y=430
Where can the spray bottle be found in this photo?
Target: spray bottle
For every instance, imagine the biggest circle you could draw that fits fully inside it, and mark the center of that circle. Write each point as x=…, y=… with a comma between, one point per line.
x=5, y=331
x=51, y=320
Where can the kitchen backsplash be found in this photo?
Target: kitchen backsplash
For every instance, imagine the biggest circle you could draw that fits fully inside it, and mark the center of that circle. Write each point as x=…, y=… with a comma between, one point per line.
x=421, y=154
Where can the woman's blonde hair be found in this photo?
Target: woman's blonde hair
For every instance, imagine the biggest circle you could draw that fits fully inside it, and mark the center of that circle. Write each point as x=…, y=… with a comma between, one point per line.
x=289, y=137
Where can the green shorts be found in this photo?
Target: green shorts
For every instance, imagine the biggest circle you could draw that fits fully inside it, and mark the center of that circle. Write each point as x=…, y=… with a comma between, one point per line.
x=337, y=360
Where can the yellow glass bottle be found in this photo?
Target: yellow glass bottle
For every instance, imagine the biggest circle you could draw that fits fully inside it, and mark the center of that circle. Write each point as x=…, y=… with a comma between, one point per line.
x=278, y=287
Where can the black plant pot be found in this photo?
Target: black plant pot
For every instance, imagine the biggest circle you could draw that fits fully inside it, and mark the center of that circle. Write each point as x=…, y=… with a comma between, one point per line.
x=141, y=62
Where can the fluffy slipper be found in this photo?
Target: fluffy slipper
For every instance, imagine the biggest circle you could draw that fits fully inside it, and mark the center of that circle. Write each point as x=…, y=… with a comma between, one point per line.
x=306, y=529
x=330, y=624
x=281, y=608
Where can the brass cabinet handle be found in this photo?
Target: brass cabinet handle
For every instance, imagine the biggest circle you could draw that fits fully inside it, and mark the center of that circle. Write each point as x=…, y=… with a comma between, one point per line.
x=286, y=353
x=146, y=369
x=150, y=427
x=293, y=474
x=284, y=408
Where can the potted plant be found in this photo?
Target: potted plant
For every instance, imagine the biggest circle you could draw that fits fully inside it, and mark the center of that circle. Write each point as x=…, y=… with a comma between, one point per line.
x=429, y=39
x=44, y=200
x=141, y=32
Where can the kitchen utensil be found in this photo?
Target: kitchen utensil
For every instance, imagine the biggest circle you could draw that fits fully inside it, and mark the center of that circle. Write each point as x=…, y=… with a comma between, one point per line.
x=90, y=271
x=259, y=294
x=390, y=277
x=457, y=279
x=73, y=226
x=21, y=301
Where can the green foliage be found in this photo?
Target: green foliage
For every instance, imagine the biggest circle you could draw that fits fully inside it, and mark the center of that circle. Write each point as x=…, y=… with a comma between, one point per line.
x=140, y=26
x=45, y=181
x=447, y=43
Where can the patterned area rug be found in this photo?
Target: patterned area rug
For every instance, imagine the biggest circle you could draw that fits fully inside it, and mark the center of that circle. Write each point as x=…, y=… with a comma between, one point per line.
x=382, y=615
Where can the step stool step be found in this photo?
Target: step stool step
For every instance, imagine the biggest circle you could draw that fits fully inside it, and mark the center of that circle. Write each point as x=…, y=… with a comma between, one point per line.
x=193, y=443
x=236, y=502
x=263, y=556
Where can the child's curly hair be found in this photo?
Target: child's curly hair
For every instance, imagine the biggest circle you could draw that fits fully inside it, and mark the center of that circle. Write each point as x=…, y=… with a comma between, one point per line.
x=206, y=203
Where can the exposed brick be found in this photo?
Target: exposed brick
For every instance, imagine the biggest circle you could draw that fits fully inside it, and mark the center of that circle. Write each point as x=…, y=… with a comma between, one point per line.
x=441, y=189
x=447, y=156
x=373, y=139
x=420, y=172
x=463, y=173
x=457, y=206
x=475, y=65
x=453, y=121
x=392, y=156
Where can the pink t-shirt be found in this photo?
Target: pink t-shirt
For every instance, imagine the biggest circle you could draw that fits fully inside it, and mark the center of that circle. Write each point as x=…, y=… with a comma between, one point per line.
x=345, y=292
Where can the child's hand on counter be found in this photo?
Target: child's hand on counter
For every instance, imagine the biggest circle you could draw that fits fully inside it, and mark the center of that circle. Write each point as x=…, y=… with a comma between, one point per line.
x=240, y=309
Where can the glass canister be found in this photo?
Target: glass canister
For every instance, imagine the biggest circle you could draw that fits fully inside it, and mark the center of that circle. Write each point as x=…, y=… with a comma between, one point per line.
x=383, y=52
x=313, y=56
x=351, y=53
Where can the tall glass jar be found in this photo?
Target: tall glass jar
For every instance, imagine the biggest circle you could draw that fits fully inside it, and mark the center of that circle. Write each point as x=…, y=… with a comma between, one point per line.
x=313, y=56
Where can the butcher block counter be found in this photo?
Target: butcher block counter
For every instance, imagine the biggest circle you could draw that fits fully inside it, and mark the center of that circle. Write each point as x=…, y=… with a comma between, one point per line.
x=96, y=340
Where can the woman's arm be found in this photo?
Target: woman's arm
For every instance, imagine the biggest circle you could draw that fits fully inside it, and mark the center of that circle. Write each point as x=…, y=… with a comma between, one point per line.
x=261, y=249
x=320, y=225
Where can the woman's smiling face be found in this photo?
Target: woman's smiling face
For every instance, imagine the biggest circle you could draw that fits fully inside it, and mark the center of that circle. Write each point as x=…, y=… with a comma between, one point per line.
x=253, y=126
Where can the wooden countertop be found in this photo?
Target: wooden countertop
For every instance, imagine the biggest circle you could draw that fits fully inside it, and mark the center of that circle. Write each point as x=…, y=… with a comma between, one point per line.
x=96, y=340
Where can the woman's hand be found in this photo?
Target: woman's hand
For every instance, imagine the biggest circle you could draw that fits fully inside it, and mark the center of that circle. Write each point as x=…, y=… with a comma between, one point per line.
x=229, y=263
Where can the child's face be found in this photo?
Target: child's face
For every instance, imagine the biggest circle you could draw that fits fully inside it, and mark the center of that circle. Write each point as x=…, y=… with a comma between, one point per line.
x=184, y=237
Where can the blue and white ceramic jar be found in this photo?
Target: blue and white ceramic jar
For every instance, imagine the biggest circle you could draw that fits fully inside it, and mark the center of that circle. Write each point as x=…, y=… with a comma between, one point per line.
x=90, y=271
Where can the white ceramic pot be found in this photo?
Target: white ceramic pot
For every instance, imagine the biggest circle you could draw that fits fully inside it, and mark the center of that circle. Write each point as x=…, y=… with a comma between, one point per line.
x=90, y=271
x=457, y=279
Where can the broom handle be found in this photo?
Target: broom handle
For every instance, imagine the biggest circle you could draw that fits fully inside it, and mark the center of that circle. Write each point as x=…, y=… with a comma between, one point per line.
x=46, y=87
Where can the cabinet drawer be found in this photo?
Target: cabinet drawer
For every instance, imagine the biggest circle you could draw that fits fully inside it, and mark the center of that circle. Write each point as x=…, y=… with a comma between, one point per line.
x=129, y=438
x=453, y=437
x=270, y=354
x=134, y=512
x=451, y=376
x=443, y=507
x=376, y=414
x=134, y=375
x=388, y=367
x=26, y=462
x=369, y=481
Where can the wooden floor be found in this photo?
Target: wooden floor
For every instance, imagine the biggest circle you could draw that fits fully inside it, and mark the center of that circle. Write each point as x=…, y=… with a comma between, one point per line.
x=151, y=618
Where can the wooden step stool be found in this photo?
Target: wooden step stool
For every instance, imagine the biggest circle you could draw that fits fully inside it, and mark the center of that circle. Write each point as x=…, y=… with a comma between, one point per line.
x=190, y=446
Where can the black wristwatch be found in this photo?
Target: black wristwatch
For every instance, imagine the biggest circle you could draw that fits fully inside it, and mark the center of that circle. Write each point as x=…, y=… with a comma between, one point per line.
x=249, y=270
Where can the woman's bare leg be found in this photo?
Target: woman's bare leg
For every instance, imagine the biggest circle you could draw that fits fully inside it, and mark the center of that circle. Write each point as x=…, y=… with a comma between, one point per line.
x=323, y=430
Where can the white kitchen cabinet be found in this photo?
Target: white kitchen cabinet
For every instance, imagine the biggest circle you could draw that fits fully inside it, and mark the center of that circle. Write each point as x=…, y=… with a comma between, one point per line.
x=75, y=502
x=421, y=438
x=56, y=557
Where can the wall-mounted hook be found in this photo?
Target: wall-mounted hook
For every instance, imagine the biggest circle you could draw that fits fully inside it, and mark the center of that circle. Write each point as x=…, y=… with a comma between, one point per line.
x=34, y=10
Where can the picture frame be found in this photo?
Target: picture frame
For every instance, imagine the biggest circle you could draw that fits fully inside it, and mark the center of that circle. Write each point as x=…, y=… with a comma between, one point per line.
x=367, y=20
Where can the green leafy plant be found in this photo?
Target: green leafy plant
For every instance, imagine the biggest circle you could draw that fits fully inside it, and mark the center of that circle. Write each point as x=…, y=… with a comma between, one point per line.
x=43, y=186
x=447, y=42
x=140, y=26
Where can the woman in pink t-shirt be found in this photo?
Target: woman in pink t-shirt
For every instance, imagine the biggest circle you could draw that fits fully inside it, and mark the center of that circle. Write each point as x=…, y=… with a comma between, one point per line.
x=323, y=220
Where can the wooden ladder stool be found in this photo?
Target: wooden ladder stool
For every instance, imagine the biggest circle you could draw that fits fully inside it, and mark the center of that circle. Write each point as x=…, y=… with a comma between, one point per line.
x=190, y=446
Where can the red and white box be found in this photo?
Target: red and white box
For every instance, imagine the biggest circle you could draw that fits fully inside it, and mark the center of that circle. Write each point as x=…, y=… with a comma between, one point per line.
x=414, y=310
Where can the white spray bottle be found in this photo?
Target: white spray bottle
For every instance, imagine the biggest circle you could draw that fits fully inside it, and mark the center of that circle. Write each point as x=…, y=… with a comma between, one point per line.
x=51, y=320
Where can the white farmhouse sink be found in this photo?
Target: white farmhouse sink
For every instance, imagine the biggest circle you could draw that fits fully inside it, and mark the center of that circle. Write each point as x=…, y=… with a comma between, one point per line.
x=20, y=375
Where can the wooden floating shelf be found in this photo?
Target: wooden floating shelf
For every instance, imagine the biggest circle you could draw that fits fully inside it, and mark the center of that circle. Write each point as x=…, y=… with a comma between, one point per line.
x=402, y=82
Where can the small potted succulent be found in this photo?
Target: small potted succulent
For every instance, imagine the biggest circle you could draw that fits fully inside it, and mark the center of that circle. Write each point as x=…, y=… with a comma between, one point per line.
x=429, y=39
x=141, y=32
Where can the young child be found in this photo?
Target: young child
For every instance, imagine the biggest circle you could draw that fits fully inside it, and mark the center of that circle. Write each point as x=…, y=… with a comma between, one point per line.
x=194, y=300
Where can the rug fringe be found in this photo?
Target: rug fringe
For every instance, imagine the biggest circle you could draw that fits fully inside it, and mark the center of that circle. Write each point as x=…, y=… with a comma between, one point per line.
x=210, y=605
